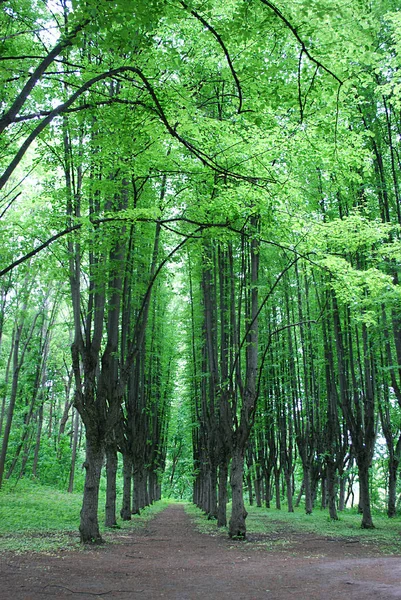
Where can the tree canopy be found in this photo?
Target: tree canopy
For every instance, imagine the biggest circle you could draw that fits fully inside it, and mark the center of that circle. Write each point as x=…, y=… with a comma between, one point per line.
x=200, y=221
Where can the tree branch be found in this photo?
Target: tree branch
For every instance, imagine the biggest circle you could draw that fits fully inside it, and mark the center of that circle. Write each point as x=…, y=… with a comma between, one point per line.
x=22, y=97
x=294, y=31
x=224, y=48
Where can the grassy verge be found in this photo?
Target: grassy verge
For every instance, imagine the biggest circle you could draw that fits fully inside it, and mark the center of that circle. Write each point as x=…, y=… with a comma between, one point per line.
x=35, y=518
x=386, y=537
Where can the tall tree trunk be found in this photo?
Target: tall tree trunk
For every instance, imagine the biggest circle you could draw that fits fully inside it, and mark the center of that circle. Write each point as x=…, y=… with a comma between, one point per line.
x=364, y=499
x=331, y=478
x=75, y=435
x=222, y=501
x=13, y=398
x=38, y=439
x=127, y=479
x=237, y=527
x=111, y=490
x=89, y=523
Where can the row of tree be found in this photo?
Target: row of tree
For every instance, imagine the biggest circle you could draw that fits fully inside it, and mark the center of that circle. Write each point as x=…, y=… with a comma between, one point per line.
x=245, y=155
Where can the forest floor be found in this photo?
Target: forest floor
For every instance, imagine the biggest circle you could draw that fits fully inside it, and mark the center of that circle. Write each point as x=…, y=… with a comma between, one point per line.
x=170, y=558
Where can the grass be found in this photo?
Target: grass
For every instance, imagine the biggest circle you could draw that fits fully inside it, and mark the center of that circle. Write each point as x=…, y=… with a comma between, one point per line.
x=34, y=518
x=386, y=537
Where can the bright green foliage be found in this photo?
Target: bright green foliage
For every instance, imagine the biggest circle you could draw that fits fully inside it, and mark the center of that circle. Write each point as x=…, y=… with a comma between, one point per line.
x=169, y=145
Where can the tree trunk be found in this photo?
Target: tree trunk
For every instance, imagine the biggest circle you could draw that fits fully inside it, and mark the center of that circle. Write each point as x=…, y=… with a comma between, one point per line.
x=89, y=523
x=249, y=486
x=212, y=510
x=127, y=475
x=277, y=487
x=258, y=487
x=75, y=436
x=364, y=497
x=308, y=489
x=222, y=502
x=341, y=497
x=237, y=527
x=13, y=398
x=392, y=488
x=37, y=444
x=111, y=474
x=331, y=489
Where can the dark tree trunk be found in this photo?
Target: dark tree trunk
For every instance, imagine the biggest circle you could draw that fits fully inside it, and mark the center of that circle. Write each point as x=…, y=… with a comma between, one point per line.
x=237, y=527
x=364, y=500
x=212, y=509
x=222, y=502
x=341, y=496
x=392, y=487
x=277, y=487
x=308, y=489
x=127, y=480
x=331, y=478
x=249, y=486
x=111, y=491
x=258, y=487
x=89, y=523
x=75, y=436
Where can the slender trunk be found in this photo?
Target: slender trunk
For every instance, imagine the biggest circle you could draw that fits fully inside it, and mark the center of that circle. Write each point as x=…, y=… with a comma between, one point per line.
x=258, y=488
x=277, y=488
x=89, y=523
x=127, y=475
x=6, y=378
x=37, y=445
x=212, y=510
x=222, y=502
x=111, y=491
x=341, y=496
x=392, y=487
x=308, y=489
x=249, y=486
x=289, y=490
x=13, y=398
x=74, y=451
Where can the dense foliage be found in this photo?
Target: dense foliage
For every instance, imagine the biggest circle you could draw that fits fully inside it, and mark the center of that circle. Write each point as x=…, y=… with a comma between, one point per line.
x=200, y=220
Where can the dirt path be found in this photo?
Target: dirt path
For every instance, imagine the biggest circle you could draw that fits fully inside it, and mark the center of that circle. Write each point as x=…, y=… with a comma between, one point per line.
x=170, y=559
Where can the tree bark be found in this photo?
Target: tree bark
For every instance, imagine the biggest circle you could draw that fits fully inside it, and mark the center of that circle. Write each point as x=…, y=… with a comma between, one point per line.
x=74, y=451
x=222, y=501
x=237, y=527
x=364, y=499
x=89, y=523
x=111, y=491
x=127, y=479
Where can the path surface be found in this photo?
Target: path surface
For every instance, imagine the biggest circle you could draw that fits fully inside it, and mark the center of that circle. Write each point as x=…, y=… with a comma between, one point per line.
x=170, y=559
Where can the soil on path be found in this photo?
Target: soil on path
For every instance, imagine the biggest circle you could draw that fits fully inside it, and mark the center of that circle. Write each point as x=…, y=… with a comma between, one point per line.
x=170, y=559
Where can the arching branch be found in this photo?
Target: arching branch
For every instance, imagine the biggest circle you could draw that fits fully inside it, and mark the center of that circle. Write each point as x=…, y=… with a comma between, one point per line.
x=224, y=48
x=197, y=152
x=22, y=97
x=305, y=50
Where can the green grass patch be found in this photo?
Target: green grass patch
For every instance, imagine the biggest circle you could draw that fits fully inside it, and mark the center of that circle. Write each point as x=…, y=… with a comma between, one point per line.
x=279, y=525
x=34, y=518
x=386, y=536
